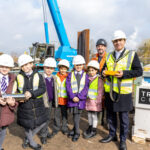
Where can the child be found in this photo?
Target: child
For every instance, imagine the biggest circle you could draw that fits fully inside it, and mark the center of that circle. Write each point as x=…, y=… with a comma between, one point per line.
x=7, y=105
x=31, y=114
x=62, y=98
x=77, y=84
x=94, y=98
x=50, y=95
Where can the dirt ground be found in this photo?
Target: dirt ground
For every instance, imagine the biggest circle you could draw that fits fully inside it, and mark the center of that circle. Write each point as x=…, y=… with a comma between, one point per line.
x=15, y=135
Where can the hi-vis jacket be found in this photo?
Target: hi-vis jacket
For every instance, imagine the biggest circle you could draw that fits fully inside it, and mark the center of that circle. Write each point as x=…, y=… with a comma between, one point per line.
x=123, y=63
x=31, y=113
x=93, y=89
x=61, y=87
x=74, y=84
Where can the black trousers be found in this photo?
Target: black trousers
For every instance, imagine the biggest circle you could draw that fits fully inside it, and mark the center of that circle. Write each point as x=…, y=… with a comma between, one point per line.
x=124, y=124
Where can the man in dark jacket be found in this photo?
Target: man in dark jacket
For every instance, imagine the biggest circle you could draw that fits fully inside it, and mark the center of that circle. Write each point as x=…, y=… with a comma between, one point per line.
x=118, y=88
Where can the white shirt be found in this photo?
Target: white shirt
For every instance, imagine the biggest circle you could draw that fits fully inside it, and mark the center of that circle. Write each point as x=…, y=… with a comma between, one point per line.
x=117, y=53
x=7, y=80
x=80, y=72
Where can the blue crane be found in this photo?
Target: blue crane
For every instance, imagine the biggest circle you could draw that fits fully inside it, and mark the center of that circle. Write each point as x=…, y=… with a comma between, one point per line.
x=64, y=51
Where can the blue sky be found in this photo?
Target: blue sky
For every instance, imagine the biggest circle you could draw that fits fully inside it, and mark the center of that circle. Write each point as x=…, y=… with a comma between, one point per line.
x=22, y=21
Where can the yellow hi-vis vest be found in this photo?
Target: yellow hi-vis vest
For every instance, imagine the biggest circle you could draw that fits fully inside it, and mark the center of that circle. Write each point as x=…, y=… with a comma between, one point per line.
x=61, y=87
x=20, y=81
x=93, y=89
x=74, y=84
x=123, y=63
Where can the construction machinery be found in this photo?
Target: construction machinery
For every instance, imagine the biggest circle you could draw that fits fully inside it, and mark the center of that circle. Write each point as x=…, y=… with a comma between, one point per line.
x=41, y=51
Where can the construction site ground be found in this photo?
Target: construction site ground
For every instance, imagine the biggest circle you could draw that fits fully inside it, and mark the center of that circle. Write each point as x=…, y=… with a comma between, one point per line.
x=15, y=136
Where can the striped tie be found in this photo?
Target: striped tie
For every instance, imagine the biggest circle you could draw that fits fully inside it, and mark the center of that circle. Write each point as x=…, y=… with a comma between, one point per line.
x=3, y=84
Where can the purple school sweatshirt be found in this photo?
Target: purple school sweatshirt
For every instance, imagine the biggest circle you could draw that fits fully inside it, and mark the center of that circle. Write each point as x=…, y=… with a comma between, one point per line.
x=82, y=95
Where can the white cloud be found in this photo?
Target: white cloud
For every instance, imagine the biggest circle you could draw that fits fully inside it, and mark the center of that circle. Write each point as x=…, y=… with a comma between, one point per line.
x=23, y=20
x=17, y=36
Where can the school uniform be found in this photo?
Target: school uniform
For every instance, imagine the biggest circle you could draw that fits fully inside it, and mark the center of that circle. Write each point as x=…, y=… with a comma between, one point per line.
x=31, y=115
x=77, y=84
x=6, y=112
x=61, y=110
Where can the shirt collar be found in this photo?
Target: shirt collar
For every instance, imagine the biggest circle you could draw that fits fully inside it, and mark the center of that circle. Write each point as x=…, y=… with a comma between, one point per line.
x=1, y=76
x=80, y=72
x=45, y=76
x=119, y=52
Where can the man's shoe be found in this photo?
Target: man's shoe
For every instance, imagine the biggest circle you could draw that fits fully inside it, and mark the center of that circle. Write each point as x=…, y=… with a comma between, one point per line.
x=65, y=132
x=108, y=139
x=71, y=134
x=75, y=137
x=43, y=140
x=25, y=143
x=38, y=147
x=122, y=146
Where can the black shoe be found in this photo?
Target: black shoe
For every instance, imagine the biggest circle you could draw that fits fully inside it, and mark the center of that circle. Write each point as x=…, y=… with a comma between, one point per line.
x=25, y=143
x=108, y=139
x=43, y=140
x=122, y=146
x=65, y=132
x=71, y=134
x=91, y=134
x=87, y=131
x=2, y=149
x=75, y=137
x=54, y=133
x=49, y=136
x=38, y=147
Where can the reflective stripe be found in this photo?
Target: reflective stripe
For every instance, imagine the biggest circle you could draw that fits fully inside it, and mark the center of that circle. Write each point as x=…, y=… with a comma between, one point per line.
x=129, y=59
x=20, y=81
x=74, y=84
x=108, y=56
x=122, y=84
x=92, y=90
x=61, y=87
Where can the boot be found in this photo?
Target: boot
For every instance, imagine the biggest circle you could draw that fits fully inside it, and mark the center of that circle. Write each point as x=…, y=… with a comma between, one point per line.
x=25, y=143
x=85, y=133
x=91, y=134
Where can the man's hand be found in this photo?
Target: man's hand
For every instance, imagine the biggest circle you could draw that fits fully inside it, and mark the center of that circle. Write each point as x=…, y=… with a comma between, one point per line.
x=27, y=95
x=2, y=101
x=103, y=73
x=119, y=74
x=76, y=99
x=10, y=101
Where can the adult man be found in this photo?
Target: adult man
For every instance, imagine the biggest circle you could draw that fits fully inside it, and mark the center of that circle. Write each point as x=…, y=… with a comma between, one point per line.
x=101, y=46
x=118, y=88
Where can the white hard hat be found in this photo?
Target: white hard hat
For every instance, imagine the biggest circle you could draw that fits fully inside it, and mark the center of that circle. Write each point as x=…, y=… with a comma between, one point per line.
x=64, y=62
x=78, y=60
x=24, y=59
x=50, y=62
x=6, y=60
x=94, y=64
x=118, y=34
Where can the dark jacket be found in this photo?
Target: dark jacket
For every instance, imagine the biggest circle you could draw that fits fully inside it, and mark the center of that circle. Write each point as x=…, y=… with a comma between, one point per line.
x=125, y=100
x=32, y=113
x=7, y=112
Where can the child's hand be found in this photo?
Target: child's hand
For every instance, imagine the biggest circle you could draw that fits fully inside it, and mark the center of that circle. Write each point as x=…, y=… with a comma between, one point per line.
x=28, y=95
x=2, y=101
x=10, y=101
x=76, y=99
